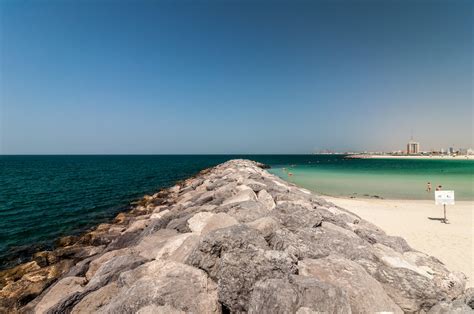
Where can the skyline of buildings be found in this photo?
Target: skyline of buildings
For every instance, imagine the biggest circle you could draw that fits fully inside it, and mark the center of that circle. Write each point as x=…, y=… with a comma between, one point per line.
x=412, y=148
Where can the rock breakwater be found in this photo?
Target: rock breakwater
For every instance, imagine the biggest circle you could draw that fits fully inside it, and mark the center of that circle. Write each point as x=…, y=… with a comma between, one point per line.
x=234, y=238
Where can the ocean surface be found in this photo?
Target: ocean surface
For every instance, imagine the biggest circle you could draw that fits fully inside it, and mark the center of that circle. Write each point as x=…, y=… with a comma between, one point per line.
x=46, y=197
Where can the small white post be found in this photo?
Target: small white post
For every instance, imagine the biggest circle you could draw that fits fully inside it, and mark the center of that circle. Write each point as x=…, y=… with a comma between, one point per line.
x=445, y=220
x=444, y=198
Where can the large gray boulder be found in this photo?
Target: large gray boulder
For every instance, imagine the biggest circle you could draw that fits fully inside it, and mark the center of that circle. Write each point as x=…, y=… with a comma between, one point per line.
x=414, y=280
x=96, y=300
x=161, y=283
x=247, y=211
x=468, y=297
x=456, y=307
x=365, y=293
x=212, y=246
x=266, y=199
x=374, y=236
x=240, y=269
x=61, y=290
x=295, y=216
x=320, y=242
x=297, y=294
x=266, y=225
x=245, y=194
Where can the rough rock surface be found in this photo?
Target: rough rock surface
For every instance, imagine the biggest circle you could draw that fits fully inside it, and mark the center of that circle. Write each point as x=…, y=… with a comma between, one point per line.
x=365, y=293
x=234, y=238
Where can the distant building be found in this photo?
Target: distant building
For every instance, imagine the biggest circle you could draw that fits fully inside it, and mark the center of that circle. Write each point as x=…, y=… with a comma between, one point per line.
x=413, y=147
x=451, y=150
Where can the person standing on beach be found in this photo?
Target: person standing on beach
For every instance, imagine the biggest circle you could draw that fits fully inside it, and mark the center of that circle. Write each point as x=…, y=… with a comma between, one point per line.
x=439, y=188
x=428, y=187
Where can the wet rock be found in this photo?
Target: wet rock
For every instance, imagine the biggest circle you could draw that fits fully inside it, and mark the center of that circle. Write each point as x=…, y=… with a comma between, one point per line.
x=67, y=241
x=98, y=237
x=13, y=274
x=74, y=252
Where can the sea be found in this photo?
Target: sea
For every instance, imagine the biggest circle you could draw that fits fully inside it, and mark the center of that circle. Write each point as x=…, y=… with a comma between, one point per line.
x=45, y=197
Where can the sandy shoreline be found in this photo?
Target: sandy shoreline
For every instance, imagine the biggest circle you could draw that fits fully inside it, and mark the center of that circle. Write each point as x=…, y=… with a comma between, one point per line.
x=451, y=243
x=462, y=157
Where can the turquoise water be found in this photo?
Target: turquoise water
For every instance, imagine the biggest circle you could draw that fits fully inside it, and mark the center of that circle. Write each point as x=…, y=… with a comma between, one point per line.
x=384, y=178
x=45, y=197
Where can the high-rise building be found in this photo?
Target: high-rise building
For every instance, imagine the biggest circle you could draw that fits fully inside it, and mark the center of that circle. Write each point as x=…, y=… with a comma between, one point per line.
x=413, y=147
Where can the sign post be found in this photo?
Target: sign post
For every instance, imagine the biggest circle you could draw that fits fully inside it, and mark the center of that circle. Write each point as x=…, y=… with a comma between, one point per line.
x=444, y=198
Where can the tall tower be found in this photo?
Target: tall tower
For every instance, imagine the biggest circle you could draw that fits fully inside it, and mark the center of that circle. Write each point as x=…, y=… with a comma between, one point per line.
x=413, y=147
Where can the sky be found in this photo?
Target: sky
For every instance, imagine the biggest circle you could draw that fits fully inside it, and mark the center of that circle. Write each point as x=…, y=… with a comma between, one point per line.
x=197, y=77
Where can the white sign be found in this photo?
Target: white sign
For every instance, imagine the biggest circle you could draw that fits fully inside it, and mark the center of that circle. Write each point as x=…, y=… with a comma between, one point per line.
x=444, y=197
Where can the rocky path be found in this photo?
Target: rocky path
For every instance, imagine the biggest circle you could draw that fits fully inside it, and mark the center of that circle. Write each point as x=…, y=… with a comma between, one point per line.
x=234, y=239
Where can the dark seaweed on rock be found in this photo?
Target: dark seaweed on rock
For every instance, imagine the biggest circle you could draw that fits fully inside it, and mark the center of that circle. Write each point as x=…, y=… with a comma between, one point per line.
x=234, y=238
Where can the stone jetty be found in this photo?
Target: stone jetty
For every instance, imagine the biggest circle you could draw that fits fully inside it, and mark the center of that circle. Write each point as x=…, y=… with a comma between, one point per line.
x=234, y=238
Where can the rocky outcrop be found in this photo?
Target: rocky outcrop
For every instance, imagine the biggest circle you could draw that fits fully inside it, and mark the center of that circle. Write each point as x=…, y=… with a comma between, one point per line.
x=234, y=238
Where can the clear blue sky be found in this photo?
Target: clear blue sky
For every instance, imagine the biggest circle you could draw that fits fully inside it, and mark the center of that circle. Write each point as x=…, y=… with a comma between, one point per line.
x=234, y=76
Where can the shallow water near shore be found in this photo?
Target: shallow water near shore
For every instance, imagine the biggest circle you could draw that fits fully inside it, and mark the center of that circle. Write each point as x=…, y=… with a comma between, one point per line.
x=45, y=197
x=388, y=179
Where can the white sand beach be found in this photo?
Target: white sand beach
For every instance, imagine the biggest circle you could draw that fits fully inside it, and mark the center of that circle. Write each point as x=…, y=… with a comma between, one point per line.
x=451, y=243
